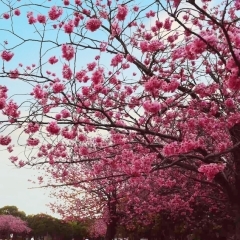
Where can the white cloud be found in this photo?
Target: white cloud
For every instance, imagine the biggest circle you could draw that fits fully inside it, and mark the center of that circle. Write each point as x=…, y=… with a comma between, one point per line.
x=15, y=189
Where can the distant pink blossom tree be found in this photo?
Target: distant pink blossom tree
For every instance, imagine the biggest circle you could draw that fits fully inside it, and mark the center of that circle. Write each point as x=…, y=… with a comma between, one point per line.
x=12, y=225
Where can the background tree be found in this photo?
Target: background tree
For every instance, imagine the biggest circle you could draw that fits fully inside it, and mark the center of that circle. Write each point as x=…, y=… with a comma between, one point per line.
x=139, y=201
x=81, y=199
x=13, y=210
x=12, y=225
x=45, y=225
x=78, y=229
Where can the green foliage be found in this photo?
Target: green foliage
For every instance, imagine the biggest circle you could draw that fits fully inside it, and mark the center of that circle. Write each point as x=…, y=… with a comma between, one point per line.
x=77, y=229
x=43, y=224
x=13, y=210
x=163, y=226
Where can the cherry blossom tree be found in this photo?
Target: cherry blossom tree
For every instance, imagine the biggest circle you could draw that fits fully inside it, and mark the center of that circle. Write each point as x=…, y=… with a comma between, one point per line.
x=80, y=199
x=137, y=202
x=140, y=87
x=12, y=225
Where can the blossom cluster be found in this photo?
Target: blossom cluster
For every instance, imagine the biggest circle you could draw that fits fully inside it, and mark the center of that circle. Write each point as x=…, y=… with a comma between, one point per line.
x=69, y=134
x=211, y=170
x=6, y=15
x=151, y=106
x=55, y=12
x=31, y=18
x=97, y=76
x=3, y=96
x=41, y=18
x=81, y=76
x=122, y=12
x=32, y=127
x=53, y=60
x=2, y=103
x=11, y=109
x=91, y=66
x=14, y=74
x=151, y=46
x=58, y=87
x=7, y=55
x=117, y=59
x=67, y=51
x=66, y=72
x=53, y=128
x=69, y=27
x=39, y=92
x=93, y=24
x=175, y=148
x=5, y=140
x=32, y=142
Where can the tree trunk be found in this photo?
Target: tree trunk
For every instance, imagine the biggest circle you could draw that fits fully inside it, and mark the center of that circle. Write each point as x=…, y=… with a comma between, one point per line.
x=113, y=218
x=237, y=223
x=235, y=134
x=111, y=230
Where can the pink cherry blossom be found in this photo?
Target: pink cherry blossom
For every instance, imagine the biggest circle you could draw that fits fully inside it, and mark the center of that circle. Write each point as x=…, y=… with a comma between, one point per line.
x=32, y=127
x=66, y=72
x=13, y=224
x=122, y=12
x=103, y=46
x=2, y=103
x=58, y=87
x=135, y=8
x=66, y=2
x=152, y=107
x=142, y=120
x=76, y=21
x=69, y=27
x=80, y=75
x=7, y=55
x=82, y=137
x=17, y=12
x=6, y=15
x=41, y=18
x=31, y=18
x=67, y=51
x=14, y=74
x=39, y=92
x=116, y=29
x=52, y=60
x=97, y=76
x=11, y=109
x=116, y=60
x=65, y=113
x=93, y=24
x=55, y=12
x=53, y=128
x=210, y=170
x=5, y=140
x=91, y=66
x=32, y=142
x=78, y=2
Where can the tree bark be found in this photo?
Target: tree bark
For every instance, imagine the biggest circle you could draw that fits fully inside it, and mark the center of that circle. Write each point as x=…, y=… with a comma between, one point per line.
x=113, y=219
x=235, y=134
x=111, y=230
x=237, y=224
